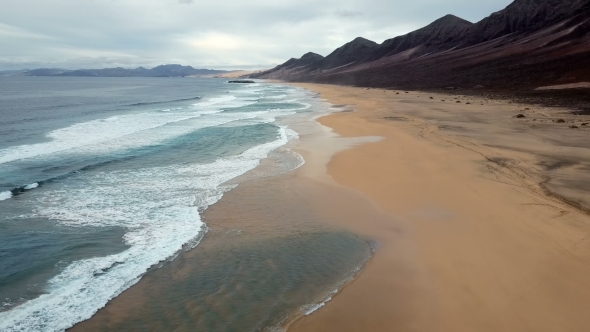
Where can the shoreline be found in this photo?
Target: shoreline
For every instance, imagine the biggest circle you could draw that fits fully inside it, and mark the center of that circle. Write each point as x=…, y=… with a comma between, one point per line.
x=261, y=211
x=486, y=258
x=413, y=177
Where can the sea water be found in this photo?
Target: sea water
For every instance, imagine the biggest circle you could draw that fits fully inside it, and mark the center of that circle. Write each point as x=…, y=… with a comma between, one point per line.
x=102, y=179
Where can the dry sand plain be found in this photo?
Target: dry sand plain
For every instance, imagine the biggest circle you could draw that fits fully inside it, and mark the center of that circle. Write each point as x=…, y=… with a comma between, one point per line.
x=488, y=221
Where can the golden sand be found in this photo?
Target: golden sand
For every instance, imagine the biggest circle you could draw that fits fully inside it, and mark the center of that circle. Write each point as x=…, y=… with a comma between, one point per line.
x=485, y=234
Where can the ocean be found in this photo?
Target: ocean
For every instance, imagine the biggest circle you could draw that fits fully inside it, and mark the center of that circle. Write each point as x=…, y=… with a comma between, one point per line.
x=104, y=180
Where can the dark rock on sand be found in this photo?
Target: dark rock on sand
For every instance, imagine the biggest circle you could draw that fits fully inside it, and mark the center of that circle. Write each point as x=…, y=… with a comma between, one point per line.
x=241, y=81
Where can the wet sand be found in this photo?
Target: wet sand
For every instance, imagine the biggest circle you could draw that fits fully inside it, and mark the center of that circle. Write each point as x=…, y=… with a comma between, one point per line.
x=261, y=233
x=488, y=221
x=477, y=219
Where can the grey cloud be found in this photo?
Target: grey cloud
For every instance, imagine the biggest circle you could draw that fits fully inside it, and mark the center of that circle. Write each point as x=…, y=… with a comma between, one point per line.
x=214, y=34
x=347, y=13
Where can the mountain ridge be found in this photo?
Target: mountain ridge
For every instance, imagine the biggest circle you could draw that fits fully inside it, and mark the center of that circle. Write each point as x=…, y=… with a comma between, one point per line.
x=170, y=70
x=350, y=52
x=525, y=45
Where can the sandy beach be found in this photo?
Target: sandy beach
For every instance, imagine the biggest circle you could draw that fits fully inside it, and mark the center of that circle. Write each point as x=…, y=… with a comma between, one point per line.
x=488, y=217
x=477, y=218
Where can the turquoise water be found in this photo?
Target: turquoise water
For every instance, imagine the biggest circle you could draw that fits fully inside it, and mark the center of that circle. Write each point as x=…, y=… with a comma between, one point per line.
x=101, y=179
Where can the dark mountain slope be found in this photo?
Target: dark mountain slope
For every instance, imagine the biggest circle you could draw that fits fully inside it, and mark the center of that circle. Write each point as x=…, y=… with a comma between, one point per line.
x=294, y=67
x=308, y=59
x=358, y=49
x=442, y=34
x=554, y=55
x=524, y=15
x=528, y=44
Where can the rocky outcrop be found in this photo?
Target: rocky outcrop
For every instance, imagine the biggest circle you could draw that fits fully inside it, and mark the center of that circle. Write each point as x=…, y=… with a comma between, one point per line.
x=241, y=81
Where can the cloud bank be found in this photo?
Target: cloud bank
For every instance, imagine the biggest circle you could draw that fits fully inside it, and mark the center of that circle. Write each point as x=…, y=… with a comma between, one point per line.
x=224, y=34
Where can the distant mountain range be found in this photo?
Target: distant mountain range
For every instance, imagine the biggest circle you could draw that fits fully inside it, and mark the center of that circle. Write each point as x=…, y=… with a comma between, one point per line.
x=527, y=44
x=159, y=71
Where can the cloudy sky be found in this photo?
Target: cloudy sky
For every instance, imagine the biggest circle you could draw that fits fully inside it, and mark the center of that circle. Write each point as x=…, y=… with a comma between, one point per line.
x=224, y=34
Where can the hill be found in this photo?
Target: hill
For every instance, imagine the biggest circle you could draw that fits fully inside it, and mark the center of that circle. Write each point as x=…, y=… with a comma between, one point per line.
x=528, y=44
x=159, y=71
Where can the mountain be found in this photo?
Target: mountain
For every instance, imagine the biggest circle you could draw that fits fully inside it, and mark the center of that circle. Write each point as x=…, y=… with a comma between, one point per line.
x=178, y=70
x=349, y=53
x=528, y=44
x=525, y=15
x=442, y=34
x=45, y=72
x=308, y=59
x=12, y=72
x=159, y=71
x=293, y=67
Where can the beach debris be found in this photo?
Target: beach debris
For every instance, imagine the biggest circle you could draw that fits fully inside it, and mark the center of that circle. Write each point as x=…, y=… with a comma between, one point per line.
x=520, y=116
x=431, y=97
x=560, y=121
x=585, y=124
x=397, y=93
x=467, y=103
x=526, y=109
x=407, y=92
x=458, y=101
x=573, y=127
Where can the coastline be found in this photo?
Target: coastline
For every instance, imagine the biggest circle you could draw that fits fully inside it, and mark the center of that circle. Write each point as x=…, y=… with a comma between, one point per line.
x=488, y=245
x=255, y=232
x=464, y=238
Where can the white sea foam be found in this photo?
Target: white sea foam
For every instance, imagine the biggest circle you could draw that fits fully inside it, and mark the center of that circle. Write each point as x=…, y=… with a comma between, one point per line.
x=276, y=97
x=93, y=132
x=309, y=309
x=216, y=100
x=31, y=186
x=122, y=132
x=158, y=207
x=4, y=195
x=160, y=215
